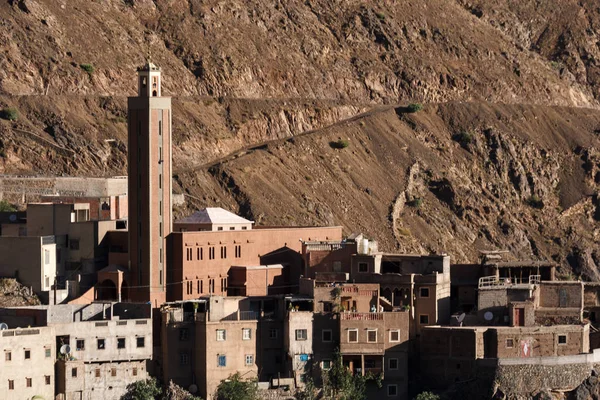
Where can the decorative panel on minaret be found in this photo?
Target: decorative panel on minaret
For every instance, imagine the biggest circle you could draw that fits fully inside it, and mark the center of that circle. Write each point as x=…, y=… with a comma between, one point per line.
x=149, y=190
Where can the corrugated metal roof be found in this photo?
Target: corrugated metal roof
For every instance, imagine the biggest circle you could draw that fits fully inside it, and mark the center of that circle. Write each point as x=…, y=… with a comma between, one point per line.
x=213, y=215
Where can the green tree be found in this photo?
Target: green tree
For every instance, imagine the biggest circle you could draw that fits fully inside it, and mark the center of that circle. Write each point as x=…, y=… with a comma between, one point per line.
x=427, y=396
x=143, y=390
x=10, y=114
x=309, y=392
x=5, y=206
x=340, y=384
x=234, y=388
x=175, y=392
x=415, y=107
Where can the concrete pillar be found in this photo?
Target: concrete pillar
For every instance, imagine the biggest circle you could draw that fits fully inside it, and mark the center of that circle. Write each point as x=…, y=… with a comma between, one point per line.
x=362, y=363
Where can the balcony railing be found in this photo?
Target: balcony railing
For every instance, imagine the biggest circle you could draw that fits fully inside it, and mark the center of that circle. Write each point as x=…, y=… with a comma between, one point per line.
x=493, y=281
x=354, y=316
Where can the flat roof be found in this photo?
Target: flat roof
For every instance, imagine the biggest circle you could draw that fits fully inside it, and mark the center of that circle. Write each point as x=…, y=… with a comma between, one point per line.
x=258, y=267
x=213, y=215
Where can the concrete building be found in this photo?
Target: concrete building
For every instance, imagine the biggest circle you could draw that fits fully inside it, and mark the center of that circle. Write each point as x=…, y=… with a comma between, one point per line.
x=105, y=346
x=27, y=365
x=149, y=187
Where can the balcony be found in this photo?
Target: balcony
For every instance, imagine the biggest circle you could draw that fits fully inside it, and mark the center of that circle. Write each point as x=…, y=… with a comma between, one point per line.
x=364, y=364
x=355, y=316
x=493, y=282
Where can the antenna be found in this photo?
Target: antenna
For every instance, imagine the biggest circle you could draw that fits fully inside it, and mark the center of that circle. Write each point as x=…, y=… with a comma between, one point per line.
x=65, y=349
x=3, y=326
x=461, y=318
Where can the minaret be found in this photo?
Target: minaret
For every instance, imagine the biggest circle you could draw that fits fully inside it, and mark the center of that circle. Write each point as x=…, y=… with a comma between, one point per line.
x=149, y=187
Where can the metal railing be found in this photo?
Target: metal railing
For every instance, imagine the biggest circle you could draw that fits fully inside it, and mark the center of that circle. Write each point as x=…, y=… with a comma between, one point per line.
x=494, y=281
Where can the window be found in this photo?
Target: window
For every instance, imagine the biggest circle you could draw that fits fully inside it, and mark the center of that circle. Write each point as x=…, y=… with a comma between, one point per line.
x=232, y=228
x=47, y=281
x=326, y=365
x=28, y=382
x=395, y=335
x=249, y=359
x=301, y=334
x=27, y=354
x=113, y=372
x=372, y=335
x=184, y=334
x=223, y=252
x=101, y=344
x=47, y=379
x=238, y=251
x=73, y=372
x=140, y=341
x=244, y=228
x=246, y=333
x=46, y=257
x=221, y=335
x=562, y=339
x=220, y=228
x=353, y=335
x=392, y=390
x=80, y=344
x=424, y=319
x=363, y=267
x=327, y=306
x=199, y=253
x=326, y=335
x=184, y=358
x=221, y=361
x=134, y=371
x=120, y=343
x=211, y=253
x=510, y=343
x=393, y=363
x=11, y=384
x=97, y=373
x=47, y=352
x=424, y=292
x=7, y=356
x=273, y=333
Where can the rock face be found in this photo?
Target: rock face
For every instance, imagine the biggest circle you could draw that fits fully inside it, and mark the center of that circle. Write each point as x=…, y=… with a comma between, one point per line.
x=504, y=155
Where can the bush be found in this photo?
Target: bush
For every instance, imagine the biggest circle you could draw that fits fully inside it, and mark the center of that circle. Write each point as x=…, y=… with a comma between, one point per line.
x=380, y=15
x=415, y=107
x=535, y=202
x=464, y=138
x=142, y=390
x=89, y=68
x=10, y=114
x=339, y=144
x=427, y=396
x=5, y=206
x=235, y=388
x=416, y=202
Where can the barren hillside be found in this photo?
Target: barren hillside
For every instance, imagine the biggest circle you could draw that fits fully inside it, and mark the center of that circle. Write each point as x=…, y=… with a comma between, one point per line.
x=504, y=155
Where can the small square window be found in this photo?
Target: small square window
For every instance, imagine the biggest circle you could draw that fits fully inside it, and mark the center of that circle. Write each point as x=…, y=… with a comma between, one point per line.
x=249, y=359
x=353, y=336
x=562, y=339
x=393, y=363
x=101, y=344
x=140, y=341
x=28, y=382
x=220, y=228
x=113, y=372
x=392, y=390
x=73, y=372
x=221, y=361
x=395, y=335
x=47, y=352
x=221, y=335
x=120, y=343
x=424, y=319
x=47, y=379
x=273, y=333
x=424, y=292
x=326, y=365
x=11, y=384
x=134, y=371
x=510, y=343
x=27, y=354
x=184, y=358
x=246, y=334
x=372, y=336
x=326, y=335
x=301, y=334
x=80, y=345
x=7, y=356
x=97, y=373
x=327, y=306
x=184, y=334
x=363, y=267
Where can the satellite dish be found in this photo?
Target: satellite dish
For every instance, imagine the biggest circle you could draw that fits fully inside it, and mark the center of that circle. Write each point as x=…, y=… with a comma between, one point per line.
x=488, y=316
x=3, y=326
x=461, y=318
x=13, y=218
x=65, y=349
x=193, y=388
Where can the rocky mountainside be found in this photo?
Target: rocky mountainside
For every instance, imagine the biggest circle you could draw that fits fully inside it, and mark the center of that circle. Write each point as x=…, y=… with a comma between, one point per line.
x=505, y=154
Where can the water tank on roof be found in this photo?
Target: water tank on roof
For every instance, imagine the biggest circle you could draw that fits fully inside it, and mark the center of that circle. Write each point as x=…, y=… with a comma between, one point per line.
x=363, y=248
